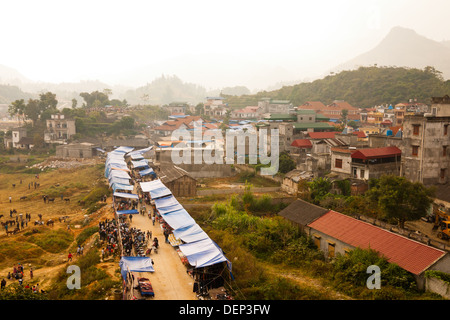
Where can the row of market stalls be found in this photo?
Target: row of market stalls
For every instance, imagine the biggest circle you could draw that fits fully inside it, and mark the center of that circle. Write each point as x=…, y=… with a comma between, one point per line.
x=121, y=179
x=204, y=259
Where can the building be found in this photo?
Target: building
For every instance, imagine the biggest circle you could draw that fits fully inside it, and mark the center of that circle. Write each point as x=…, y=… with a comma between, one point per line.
x=214, y=107
x=177, y=107
x=16, y=135
x=333, y=111
x=77, y=150
x=291, y=180
x=179, y=181
x=268, y=105
x=25, y=143
x=426, y=144
x=59, y=129
x=250, y=112
x=337, y=234
x=367, y=163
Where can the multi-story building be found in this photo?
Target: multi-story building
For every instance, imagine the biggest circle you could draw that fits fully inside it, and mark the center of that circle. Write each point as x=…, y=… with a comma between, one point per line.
x=59, y=129
x=426, y=144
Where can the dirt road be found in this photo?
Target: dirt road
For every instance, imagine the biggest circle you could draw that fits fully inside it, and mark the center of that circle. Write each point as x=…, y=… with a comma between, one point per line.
x=170, y=280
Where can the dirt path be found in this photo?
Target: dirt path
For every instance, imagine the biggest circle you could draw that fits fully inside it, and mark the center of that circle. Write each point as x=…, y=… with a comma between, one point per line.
x=170, y=280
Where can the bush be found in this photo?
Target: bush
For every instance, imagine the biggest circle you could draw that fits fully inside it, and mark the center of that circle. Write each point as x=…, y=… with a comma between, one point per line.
x=53, y=241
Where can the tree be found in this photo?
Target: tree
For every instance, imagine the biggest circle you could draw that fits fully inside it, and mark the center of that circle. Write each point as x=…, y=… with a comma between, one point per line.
x=399, y=199
x=286, y=163
x=344, y=115
x=319, y=188
x=74, y=103
x=17, y=108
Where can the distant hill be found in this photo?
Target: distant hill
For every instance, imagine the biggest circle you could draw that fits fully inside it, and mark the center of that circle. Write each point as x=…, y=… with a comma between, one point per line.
x=405, y=48
x=164, y=90
x=11, y=76
x=364, y=87
x=11, y=93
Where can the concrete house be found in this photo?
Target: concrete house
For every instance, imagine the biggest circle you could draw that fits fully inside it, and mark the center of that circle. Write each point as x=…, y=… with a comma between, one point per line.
x=337, y=234
x=367, y=163
x=59, y=129
x=426, y=144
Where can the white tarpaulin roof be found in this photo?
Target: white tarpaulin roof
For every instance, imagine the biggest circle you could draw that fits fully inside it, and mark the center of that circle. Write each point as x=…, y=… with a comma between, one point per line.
x=202, y=253
x=151, y=185
x=135, y=264
x=126, y=195
x=190, y=234
x=178, y=219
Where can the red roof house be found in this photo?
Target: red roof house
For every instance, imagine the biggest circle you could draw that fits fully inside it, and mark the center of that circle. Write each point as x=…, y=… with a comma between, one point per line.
x=376, y=153
x=302, y=143
x=410, y=255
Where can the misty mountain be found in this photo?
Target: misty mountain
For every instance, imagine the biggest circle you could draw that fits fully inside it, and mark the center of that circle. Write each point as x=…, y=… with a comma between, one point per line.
x=11, y=76
x=10, y=93
x=164, y=90
x=405, y=48
x=212, y=71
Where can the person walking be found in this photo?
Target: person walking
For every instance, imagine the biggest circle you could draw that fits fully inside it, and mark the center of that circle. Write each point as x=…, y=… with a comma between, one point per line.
x=3, y=283
x=153, y=219
x=69, y=257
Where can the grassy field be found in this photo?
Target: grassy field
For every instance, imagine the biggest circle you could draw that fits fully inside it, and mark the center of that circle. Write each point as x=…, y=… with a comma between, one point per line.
x=43, y=247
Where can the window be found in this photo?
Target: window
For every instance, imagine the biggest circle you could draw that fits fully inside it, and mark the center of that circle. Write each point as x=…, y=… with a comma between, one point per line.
x=442, y=173
x=416, y=129
x=415, y=150
x=444, y=151
x=338, y=163
x=363, y=172
x=445, y=129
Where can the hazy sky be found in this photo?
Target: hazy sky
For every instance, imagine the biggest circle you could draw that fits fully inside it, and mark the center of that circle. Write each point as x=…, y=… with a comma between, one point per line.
x=71, y=40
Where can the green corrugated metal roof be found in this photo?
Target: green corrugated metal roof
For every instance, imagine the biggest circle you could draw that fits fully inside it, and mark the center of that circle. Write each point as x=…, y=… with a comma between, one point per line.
x=281, y=116
x=312, y=125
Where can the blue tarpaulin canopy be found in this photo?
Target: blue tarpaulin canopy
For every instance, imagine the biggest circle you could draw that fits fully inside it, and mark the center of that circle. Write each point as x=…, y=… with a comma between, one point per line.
x=190, y=234
x=160, y=192
x=174, y=207
x=123, y=150
x=118, y=180
x=202, y=253
x=139, y=163
x=120, y=186
x=151, y=185
x=127, y=212
x=126, y=195
x=146, y=172
x=178, y=219
x=119, y=174
x=135, y=264
x=165, y=202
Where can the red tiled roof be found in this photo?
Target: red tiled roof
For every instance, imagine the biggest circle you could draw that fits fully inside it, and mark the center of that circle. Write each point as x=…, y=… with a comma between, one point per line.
x=410, y=255
x=312, y=105
x=395, y=129
x=301, y=143
x=371, y=153
x=322, y=135
x=360, y=134
x=341, y=105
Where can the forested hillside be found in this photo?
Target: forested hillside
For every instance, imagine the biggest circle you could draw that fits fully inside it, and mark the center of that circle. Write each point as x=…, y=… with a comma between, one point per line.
x=365, y=87
x=10, y=93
